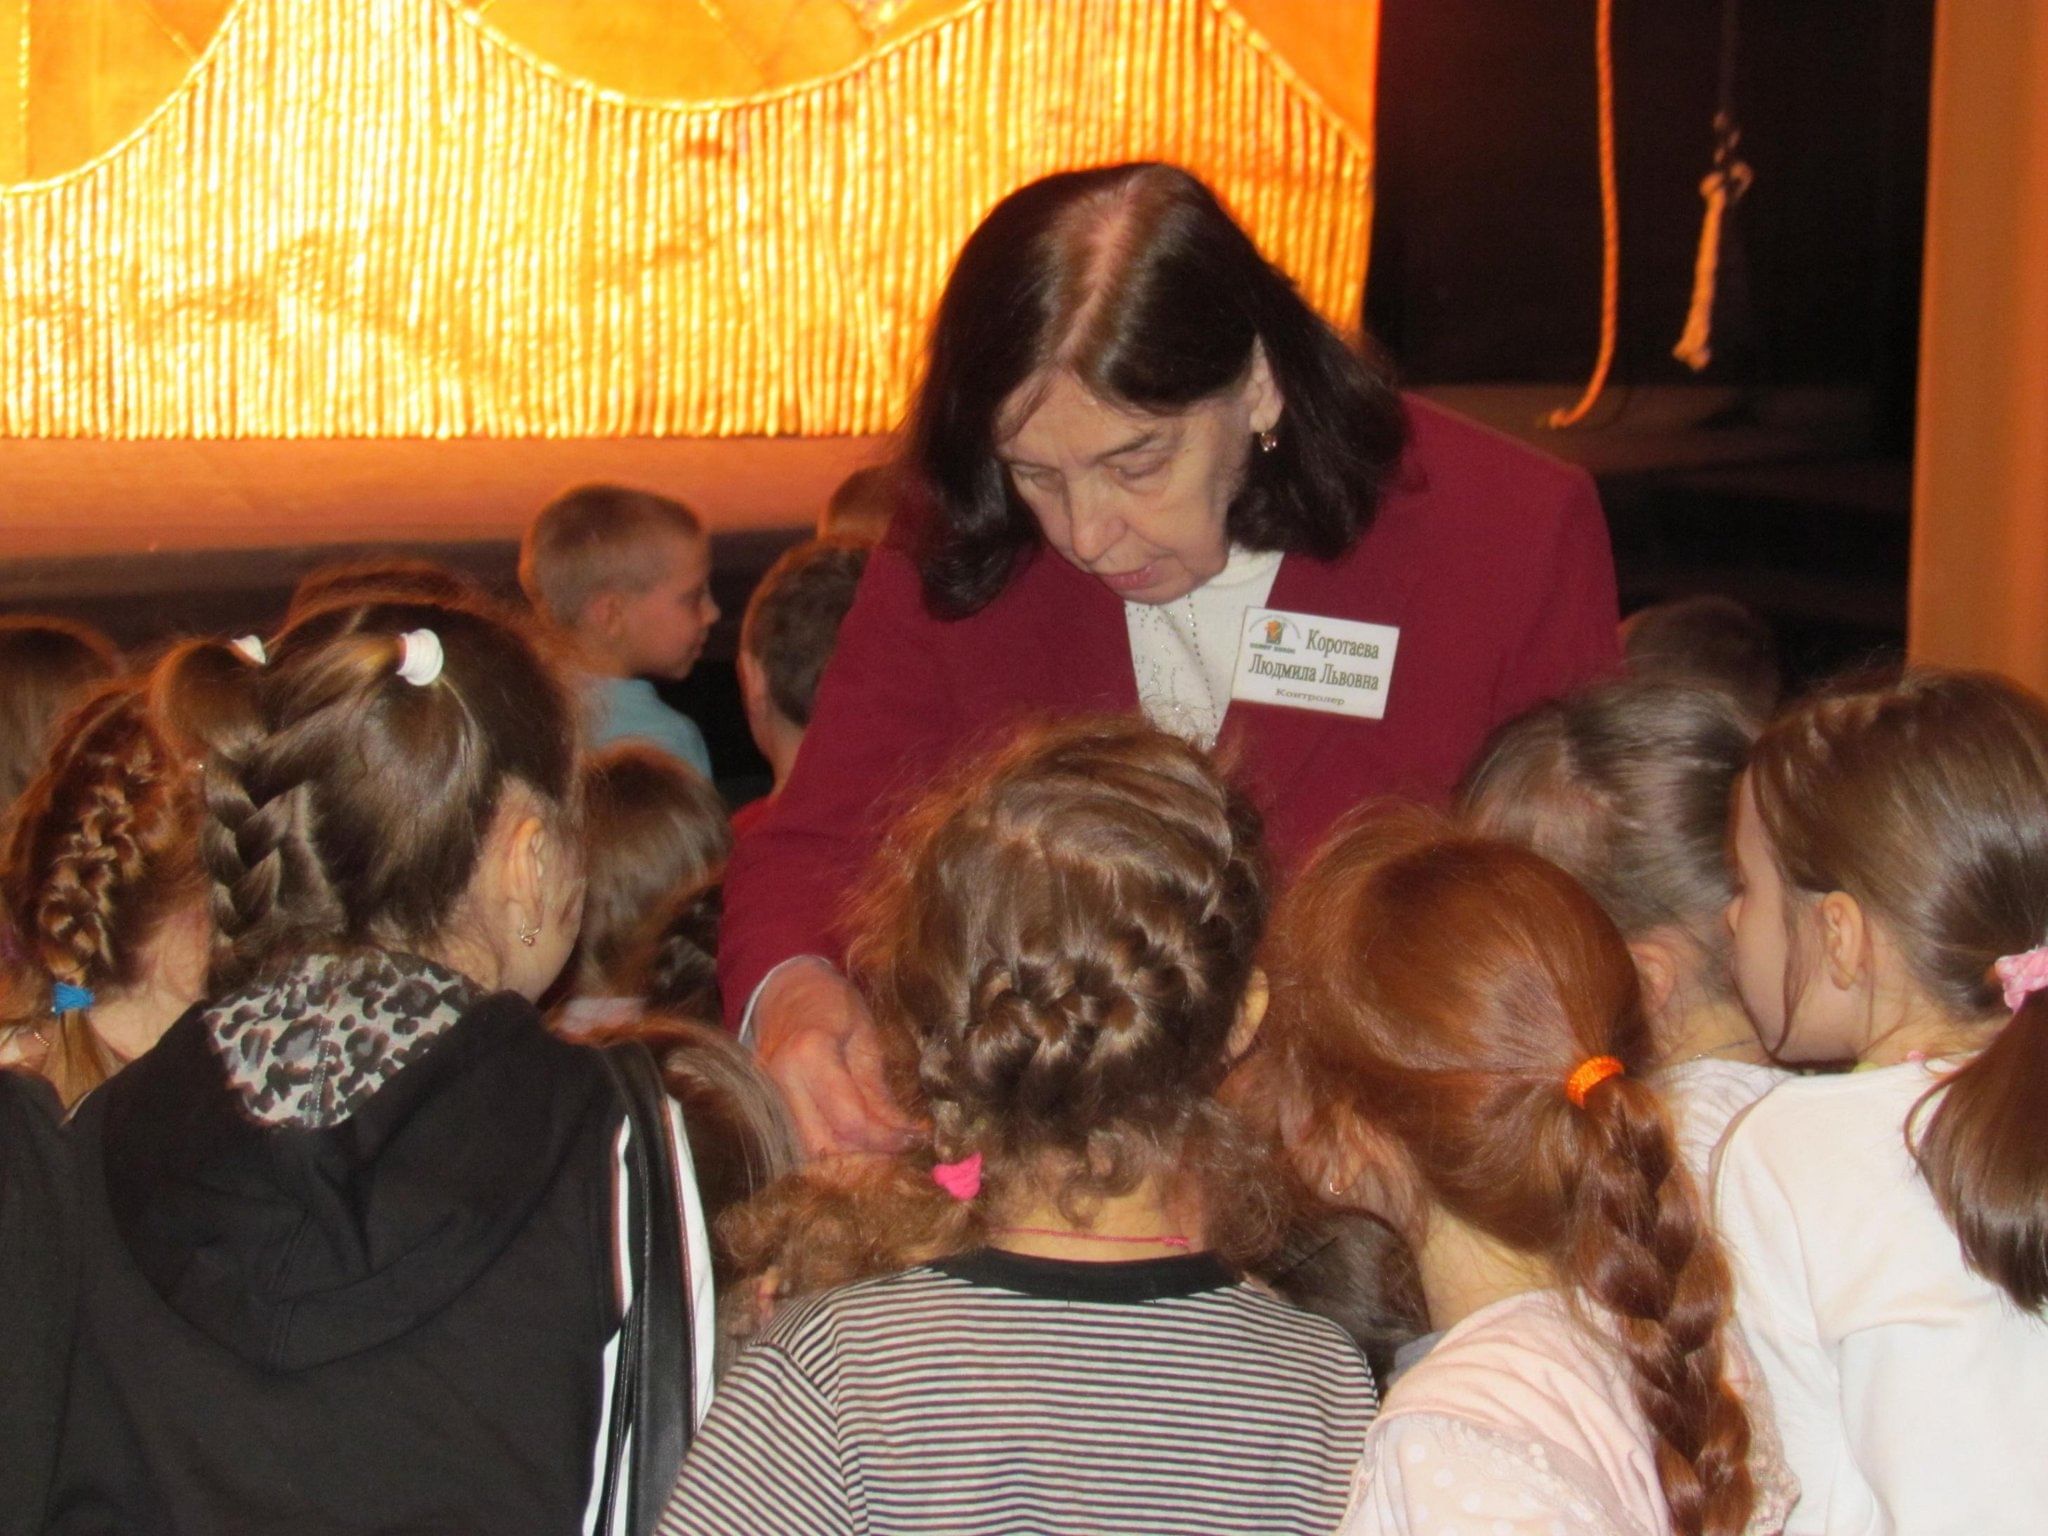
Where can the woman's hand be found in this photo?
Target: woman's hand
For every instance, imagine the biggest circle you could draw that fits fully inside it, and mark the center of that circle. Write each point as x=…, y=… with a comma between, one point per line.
x=815, y=1039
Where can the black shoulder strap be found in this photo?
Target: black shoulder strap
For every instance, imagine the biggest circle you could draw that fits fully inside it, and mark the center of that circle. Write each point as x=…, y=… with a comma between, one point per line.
x=655, y=1381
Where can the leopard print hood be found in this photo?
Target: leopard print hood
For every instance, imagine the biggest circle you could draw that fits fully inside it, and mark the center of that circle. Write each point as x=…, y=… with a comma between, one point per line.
x=308, y=1047
x=326, y=1164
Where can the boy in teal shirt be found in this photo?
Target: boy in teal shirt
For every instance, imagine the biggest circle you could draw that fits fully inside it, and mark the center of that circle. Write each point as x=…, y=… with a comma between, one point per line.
x=625, y=575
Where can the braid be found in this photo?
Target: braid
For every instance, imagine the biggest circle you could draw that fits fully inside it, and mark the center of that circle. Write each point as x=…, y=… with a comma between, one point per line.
x=1443, y=990
x=87, y=832
x=272, y=891
x=99, y=852
x=352, y=811
x=1638, y=1244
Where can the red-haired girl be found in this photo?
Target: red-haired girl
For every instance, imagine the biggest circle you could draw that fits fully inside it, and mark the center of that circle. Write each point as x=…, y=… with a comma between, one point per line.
x=1458, y=1044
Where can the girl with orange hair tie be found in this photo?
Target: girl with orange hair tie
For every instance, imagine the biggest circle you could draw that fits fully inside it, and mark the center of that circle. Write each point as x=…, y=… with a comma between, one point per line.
x=1458, y=1045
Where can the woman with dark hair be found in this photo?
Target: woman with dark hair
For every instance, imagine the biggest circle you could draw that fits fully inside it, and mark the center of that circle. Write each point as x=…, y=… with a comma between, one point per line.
x=1156, y=481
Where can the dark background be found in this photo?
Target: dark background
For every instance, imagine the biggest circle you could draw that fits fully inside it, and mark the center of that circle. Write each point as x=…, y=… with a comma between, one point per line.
x=1486, y=263
x=1486, y=237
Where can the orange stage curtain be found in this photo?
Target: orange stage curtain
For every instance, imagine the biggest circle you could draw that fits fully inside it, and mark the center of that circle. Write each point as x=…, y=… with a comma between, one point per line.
x=565, y=218
x=1980, y=500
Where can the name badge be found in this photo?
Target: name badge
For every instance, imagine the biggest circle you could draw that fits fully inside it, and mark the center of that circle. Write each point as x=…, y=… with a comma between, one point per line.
x=1305, y=661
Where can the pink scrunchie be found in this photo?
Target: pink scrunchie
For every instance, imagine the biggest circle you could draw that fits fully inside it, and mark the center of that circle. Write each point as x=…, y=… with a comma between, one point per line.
x=2023, y=975
x=961, y=1180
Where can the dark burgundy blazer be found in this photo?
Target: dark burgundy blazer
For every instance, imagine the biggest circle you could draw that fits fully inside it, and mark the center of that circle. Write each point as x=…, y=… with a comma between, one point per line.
x=1492, y=560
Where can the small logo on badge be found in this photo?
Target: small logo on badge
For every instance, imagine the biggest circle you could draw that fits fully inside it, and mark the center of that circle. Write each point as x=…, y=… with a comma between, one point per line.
x=1276, y=634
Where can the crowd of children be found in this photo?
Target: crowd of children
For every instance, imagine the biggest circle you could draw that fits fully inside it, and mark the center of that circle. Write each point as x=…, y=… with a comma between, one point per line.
x=1650, y=1142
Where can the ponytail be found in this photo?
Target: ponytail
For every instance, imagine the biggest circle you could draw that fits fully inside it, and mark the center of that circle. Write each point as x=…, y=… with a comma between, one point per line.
x=352, y=814
x=1637, y=1243
x=1985, y=1159
x=1927, y=800
x=1493, y=1028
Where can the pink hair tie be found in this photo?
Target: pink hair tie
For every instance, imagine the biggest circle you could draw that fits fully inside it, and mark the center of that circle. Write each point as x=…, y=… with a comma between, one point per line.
x=961, y=1180
x=2023, y=975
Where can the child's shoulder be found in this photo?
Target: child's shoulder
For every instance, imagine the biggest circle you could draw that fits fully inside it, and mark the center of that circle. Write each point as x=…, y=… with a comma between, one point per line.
x=1532, y=1336
x=1810, y=1108
x=862, y=1306
x=1260, y=1312
x=621, y=709
x=1813, y=1130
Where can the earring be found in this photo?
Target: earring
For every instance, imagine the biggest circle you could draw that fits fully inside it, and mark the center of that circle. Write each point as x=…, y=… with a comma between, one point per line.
x=1268, y=441
x=1334, y=1187
x=528, y=935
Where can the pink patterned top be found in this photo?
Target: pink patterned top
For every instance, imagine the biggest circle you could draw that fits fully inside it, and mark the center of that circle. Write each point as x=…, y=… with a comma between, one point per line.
x=1520, y=1422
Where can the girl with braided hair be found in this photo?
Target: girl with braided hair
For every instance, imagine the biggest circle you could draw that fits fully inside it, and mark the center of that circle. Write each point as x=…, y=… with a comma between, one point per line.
x=101, y=877
x=351, y=1230
x=1059, y=951
x=1458, y=1045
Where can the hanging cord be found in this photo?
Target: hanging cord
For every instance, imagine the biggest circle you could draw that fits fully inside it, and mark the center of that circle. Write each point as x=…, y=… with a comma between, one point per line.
x=1722, y=189
x=1610, y=228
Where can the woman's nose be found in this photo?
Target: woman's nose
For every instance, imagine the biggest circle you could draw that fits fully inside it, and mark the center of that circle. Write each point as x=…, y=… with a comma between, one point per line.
x=1096, y=527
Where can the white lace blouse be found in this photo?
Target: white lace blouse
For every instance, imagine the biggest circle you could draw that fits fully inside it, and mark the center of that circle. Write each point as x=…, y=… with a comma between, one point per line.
x=1184, y=653
x=1520, y=1423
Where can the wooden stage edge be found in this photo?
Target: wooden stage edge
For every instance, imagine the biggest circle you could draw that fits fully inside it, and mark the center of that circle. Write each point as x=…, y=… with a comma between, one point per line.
x=80, y=497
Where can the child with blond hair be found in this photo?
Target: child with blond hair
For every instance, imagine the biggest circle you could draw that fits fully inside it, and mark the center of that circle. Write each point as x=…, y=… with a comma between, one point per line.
x=625, y=576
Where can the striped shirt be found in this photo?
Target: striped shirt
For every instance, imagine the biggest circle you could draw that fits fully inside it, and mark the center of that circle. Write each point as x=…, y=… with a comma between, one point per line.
x=999, y=1393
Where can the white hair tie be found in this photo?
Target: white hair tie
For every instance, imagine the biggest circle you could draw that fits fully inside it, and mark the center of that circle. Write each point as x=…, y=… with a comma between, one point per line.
x=251, y=646
x=419, y=657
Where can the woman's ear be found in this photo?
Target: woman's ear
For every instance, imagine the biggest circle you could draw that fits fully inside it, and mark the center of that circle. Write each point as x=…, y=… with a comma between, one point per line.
x=1251, y=1013
x=1844, y=940
x=1263, y=400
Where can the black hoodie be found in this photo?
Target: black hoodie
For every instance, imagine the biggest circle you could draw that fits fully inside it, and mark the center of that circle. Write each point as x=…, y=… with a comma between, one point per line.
x=393, y=1322
x=38, y=1280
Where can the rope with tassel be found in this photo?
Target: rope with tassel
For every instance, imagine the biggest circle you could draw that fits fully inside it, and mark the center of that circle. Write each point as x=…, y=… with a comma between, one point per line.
x=1722, y=188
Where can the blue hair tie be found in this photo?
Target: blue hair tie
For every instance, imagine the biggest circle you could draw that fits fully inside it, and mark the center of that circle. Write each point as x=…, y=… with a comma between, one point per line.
x=64, y=997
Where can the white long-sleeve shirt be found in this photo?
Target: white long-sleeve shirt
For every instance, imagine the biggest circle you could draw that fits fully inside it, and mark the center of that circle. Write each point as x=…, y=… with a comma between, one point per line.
x=1911, y=1393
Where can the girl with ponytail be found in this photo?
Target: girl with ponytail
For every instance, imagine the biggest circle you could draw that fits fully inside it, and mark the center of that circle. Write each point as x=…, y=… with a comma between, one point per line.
x=1052, y=1336
x=1625, y=787
x=104, y=894
x=351, y=1228
x=1458, y=1045
x=1890, y=1227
